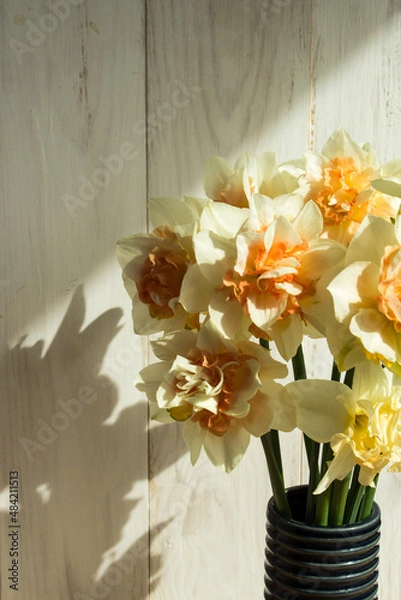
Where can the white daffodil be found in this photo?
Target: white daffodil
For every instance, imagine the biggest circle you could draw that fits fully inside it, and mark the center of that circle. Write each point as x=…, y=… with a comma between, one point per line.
x=339, y=181
x=250, y=174
x=367, y=298
x=268, y=265
x=231, y=184
x=223, y=391
x=154, y=265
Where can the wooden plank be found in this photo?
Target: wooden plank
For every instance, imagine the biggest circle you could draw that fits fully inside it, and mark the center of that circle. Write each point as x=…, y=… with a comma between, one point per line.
x=356, y=83
x=73, y=182
x=245, y=69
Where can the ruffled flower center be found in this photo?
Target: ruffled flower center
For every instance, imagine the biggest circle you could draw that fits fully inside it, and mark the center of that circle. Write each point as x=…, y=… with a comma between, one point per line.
x=215, y=380
x=274, y=272
x=389, y=288
x=338, y=193
x=161, y=276
x=375, y=439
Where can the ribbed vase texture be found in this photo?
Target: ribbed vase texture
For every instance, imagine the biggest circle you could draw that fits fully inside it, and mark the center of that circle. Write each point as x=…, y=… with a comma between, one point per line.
x=315, y=562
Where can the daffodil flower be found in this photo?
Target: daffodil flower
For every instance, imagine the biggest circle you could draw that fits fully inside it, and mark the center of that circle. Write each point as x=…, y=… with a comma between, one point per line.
x=154, y=266
x=261, y=269
x=250, y=174
x=367, y=298
x=363, y=425
x=339, y=181
x=224, y=392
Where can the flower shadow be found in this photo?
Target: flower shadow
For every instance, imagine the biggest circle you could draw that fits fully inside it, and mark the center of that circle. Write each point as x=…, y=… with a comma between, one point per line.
x=83, y=481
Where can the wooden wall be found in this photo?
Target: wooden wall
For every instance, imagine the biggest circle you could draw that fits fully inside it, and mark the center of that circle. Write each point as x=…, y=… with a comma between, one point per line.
x=106, y=103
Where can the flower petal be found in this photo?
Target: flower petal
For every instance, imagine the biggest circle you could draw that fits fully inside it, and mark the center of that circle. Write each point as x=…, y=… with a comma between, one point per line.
x=319, y=407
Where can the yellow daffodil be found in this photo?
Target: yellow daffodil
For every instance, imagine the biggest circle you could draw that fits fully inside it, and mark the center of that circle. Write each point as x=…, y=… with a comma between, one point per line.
x=363, y=425
x=367, y=298
x=339, y=181
x=223, y=391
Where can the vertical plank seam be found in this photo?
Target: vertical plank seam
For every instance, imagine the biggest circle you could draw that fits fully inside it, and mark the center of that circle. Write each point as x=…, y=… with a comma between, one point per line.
x=312, y=85
x=146, y=101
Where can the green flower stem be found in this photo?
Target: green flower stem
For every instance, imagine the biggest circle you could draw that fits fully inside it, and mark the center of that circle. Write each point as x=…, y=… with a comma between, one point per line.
x=323, y=507
x=352, y=494
x=339, y=500
x=353, y=517
x=312, y=448
x=271, y=447
x=368, y=499
x=349, y=377
x=327, y=456
x=270, y=443
x=314, y=477
x=298, y=364
x=323, y=499
x=335, y=373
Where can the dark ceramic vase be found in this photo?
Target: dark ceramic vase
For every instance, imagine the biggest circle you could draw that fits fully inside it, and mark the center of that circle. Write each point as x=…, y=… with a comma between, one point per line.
x=314, y=562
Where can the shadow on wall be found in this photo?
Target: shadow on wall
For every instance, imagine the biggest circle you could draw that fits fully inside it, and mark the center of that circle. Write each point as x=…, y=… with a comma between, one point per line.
x=74, y=471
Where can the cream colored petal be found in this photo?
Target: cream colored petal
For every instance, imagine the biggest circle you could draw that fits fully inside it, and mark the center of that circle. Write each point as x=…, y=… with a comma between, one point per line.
x=270, y=411
x=262, y=212
x=374, y=233
x=269, y=367
x=228, y=316
x=169, y=346
x=194, y=437
x=196, y=291
x=309, y=222
x=314, y=165
x=216, y=175
x=226, y=452
x=149, y=378
x=289, y=205
x=287, y=334
x=341, y=465
x=223, y=219
x=341, y=144
x=258, y=421
x=249, y=163
x=322, y=256
x=271, y=182
x=171, y=212
x=387, y=186
x=211, y=340
x=159, y=414
x=375, y=333
x=319, y=407
x=345, y=347
x=133, y=246
x=144, y=324
x=282, y=231
x=355, y=287
x=371, y=381
x=264, y=309
x=215, y=256
x=291, y=171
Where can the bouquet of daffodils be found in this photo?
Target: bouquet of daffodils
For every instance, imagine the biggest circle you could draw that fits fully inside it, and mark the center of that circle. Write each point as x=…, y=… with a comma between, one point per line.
x=273, y=253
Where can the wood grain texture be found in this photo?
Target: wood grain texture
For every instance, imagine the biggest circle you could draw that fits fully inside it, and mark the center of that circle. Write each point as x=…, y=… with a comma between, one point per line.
x=247, y=72
x=105, y=104
x=356, y=84
x=72, y=425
